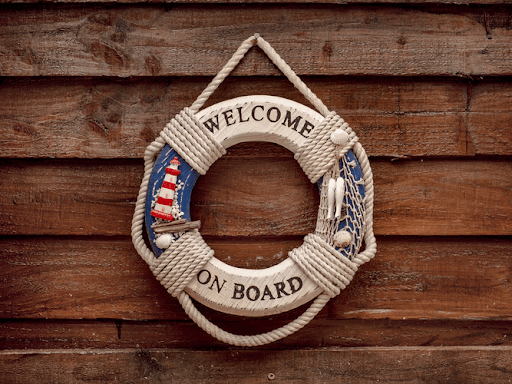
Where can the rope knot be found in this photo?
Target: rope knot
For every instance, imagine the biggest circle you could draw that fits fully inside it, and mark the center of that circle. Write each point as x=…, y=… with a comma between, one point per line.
x=328, y=268
x=317, y=154
x=178, y=265
x=193, y=141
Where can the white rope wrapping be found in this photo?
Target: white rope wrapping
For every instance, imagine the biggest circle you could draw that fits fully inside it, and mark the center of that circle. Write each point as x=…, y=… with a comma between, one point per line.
x=193, y=141
x=180, y=263
x=323, y=264
x=316, y=155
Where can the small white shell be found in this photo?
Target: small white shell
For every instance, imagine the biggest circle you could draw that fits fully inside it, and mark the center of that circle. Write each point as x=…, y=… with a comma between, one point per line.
x=342, y=239
x=163, y=241
x=339, y=137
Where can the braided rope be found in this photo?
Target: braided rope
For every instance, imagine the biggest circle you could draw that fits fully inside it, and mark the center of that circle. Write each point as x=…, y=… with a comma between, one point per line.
x=252, y=340
x=353, y=140
x=180, y=263
x=291, y=75
x=223, y=73
x=322, y=263
x=316, y=155
x=193, y=141
x=138, y=217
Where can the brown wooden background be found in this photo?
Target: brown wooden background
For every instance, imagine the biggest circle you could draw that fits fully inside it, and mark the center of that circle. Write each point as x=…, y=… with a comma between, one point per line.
x=85, y=86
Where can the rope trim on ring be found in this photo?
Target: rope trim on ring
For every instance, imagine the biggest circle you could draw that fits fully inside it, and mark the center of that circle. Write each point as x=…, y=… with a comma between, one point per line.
x=193, y=141
x=316, y=156
x=324, y=264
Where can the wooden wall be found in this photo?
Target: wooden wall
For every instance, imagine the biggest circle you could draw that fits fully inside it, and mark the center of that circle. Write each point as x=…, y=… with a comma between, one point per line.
x=85, y=86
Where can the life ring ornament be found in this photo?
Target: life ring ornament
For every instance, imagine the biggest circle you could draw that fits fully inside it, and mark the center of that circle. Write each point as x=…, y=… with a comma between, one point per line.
x=239, y=291
x=329, y=153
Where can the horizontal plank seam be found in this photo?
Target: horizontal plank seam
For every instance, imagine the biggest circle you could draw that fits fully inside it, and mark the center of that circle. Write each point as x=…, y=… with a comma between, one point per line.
x=93, y=351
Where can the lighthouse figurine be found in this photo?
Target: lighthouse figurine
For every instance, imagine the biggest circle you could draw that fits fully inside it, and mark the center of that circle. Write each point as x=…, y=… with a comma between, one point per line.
x=163, y=205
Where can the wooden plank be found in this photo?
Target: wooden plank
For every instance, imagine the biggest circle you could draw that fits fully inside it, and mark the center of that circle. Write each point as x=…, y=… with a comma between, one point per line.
x=452, y=196
x=68, y=334
x=104, y=119
x=490, y=96
x=357, y=365
x=102, y=279
x=410, y=278
x=489, y=131
x=59, y=334
x=315, y=39
x=60, y=195
x=425, y=198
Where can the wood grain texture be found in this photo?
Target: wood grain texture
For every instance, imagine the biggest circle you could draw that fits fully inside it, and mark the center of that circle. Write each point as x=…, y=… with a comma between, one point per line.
x=392, y=117
x=410, y=278
x=105, y=119
x=425, y=198
x=486, y=130
x=357, y=365
x=69, y=334
x=322, y=40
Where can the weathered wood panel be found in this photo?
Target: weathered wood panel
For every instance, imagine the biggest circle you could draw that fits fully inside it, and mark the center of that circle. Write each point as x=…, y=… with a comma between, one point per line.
x=489, y=131
x=448, y=192
x=411, y=197
x=412, y=278
x=92, y=84
x=392, y=117
x=68, y=334
x=357, y=365
x=190, y=40
x=105, y=119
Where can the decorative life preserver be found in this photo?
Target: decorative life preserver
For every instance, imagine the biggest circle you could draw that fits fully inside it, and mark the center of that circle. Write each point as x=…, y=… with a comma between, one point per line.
x=331, y=156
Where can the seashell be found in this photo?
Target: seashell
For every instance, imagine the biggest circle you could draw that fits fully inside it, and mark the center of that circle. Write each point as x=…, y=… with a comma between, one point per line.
x=339, y=137
x=342, y=239
x=330, y=198
x=163, y=241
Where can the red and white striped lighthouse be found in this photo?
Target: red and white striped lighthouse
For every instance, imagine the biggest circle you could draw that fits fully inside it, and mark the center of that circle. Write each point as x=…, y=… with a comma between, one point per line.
x=166, y=195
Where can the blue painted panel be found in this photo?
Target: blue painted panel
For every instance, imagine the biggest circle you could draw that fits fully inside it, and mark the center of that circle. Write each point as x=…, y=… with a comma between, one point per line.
x=357, y=173
x=188, y=176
